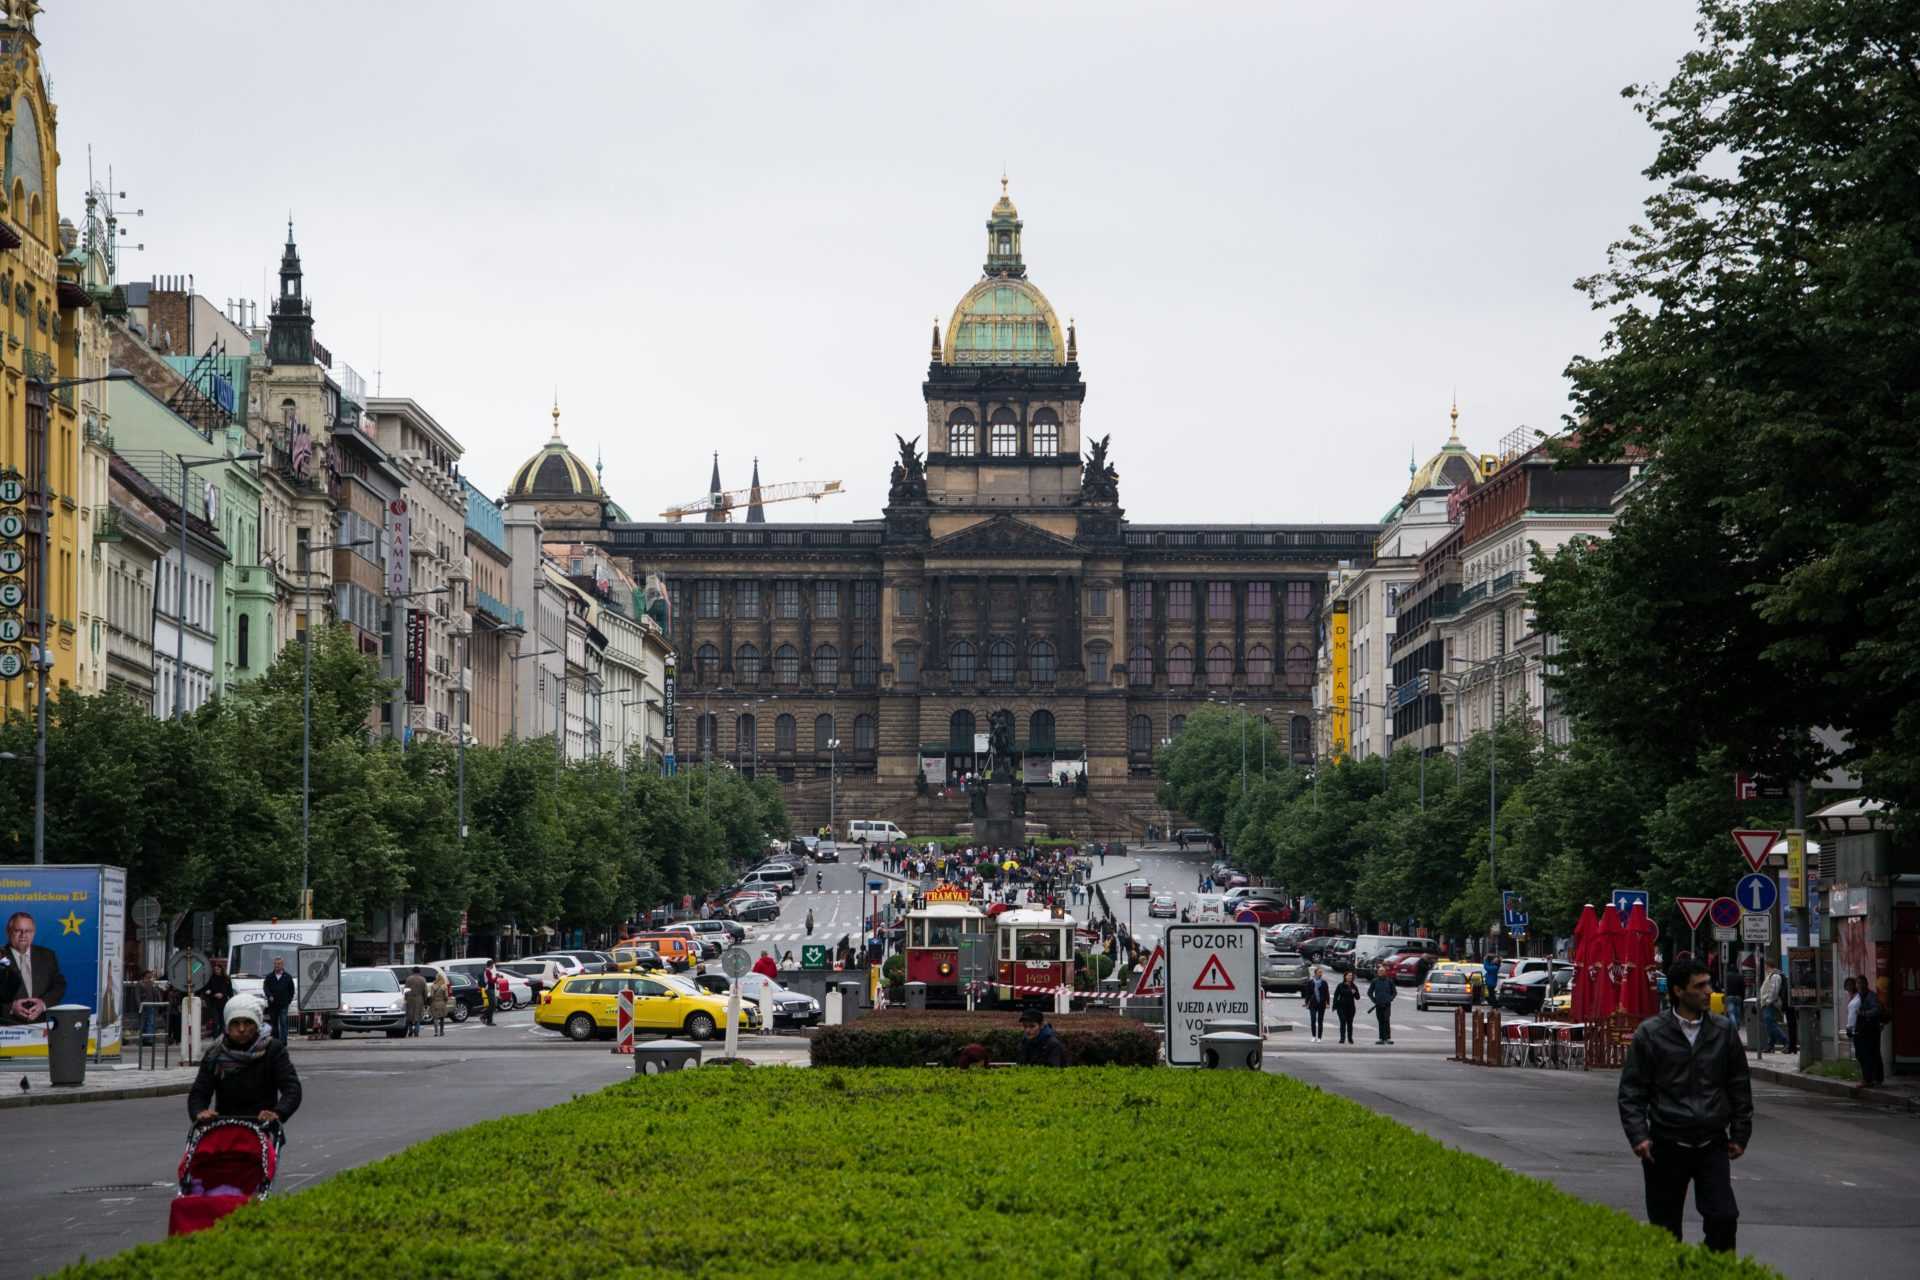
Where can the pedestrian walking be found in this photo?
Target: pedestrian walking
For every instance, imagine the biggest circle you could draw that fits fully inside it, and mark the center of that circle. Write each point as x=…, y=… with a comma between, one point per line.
x=1866, y=1033
x=1382, y=992
x=1773, y=991
x=489, y=993
x=216, y=991
x=1492, y=970
x=416, y=985
x=1686, y=1103
x=277, y=987
x=1346, y=1003
x=244, y=1073
x=439, y=995
x=1315, y=997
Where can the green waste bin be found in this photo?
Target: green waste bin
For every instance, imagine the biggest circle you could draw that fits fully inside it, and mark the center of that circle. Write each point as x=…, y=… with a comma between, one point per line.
x=67, y=1044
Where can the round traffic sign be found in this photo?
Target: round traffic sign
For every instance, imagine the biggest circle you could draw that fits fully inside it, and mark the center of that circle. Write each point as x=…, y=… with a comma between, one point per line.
x=735, y=962
x=1724, y=912
x=1757, y=892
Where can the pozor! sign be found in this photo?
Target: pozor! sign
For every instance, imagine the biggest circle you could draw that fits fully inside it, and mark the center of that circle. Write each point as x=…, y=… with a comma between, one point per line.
x=1213, y=975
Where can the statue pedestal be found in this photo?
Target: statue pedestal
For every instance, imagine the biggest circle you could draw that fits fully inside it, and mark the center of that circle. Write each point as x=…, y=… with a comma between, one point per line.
x=1001, y=829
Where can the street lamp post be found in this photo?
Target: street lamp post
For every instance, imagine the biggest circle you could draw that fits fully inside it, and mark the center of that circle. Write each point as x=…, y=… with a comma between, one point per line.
x=306, y=710
x=833, y=784
x=43, y=657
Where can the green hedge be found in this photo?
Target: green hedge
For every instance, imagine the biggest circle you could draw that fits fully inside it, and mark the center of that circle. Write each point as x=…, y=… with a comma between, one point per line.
x=912, y=1038
x=930, y=1173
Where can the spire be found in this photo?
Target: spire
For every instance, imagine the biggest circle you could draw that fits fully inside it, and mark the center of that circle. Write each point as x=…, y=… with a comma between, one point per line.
x=1073, y=343
x=1453, y=433
x=290, y=325
x=599, y=468
x=715, y=512
x=756, y=514
x=1003, y=237
x=936, y=337
x=556, y=417
x=1413, y=452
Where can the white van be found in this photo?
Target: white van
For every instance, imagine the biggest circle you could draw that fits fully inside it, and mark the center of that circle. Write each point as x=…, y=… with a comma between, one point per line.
x=873, y=831
x=1369, y=949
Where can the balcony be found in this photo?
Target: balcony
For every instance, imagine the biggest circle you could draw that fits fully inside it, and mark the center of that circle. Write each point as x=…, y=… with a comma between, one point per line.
x=97, y=434
x=106, y=525
x=502, y=614
x=1471, y=596
x=1505, y=581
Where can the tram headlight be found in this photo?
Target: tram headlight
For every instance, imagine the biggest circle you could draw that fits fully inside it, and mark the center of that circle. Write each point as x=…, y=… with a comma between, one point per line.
x=946, y=967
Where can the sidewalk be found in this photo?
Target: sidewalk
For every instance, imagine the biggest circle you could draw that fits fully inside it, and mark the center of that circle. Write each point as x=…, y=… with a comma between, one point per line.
x=105, y=1082
x=1901, y=1092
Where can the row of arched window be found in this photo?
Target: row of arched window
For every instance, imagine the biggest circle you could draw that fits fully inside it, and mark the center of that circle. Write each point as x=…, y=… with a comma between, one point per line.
x=962, y=726
x=1003, y=434
x=785, y=735
x=1043, y=664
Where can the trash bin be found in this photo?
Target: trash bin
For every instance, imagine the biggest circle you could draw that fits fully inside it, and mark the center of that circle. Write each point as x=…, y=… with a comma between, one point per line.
x=657, y=1057
x=916, y=995
x=1230, y=1024
x=850, y=993
x=67, y=1044
x=1230, y=1051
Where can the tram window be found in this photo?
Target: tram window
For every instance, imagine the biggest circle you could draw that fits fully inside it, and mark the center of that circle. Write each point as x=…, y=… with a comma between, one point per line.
x=916, y=933
x=1039, y=944
x=943, y=933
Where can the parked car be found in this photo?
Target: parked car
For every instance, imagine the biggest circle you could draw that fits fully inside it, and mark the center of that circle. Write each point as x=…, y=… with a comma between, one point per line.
x=1162, y=906
x=777, y=871
x=1450, y=982
x=1194, y=836
x=724, y=932
x=370, y=1000
x=778, y=888
x=1526, y=993
x=1284, y=971
x=1139, y=888
x=1315, y=948
x=567, y=964
x=545, y=972
x=1338, y=956
x=636, y=959
x=1264, y=910
x=790, y=1008
x=756, y=910
x=1407, y=968
x=586, y=1006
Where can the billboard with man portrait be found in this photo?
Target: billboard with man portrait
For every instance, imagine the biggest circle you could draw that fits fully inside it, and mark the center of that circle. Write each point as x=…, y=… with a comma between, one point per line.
x=65, y=931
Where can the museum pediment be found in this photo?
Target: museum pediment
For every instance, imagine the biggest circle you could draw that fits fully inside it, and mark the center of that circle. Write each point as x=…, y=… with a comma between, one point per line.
x=1003, y=536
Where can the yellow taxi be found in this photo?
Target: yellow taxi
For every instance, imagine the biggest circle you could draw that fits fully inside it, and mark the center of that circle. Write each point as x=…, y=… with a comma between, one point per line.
x=587, y=1005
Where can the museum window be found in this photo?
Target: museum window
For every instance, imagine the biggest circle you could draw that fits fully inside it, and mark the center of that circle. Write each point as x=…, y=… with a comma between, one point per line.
x=1140, y=601
x=1259, y=602
x=1140, y=736
x=823, y=734
x=863, y=735
x=960, y=733
x=1219, y=602
x=865, y=670
x=1302, y=740
x=746, y=664
x=1140, y=666
x=1299, y=667
x=866, y=596
x=1180, y=665
x=1180, y=601
x=707, y=663
x=1042, y=662
x=1260, y=666
x=906, y=602
x=906, y=665
x=704, y=727
x=1097, y=673
x=743, y=736
x=786, y=599
x=960, y=433
x=1299, y=601
x=1040, y=732
x=1096, y=602
x=783, y=735
x=786, y=664
x=960, y=662
x=826, y=599
x=1000, y=662
x=826, y=666
x=1006, y=434
x=746, y=600
x=1219, y=665
x=1175, y=726
x=708, y=594
x=1046, y=434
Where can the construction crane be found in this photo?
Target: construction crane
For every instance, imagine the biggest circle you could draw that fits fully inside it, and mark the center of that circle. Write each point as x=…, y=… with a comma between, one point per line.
x=727, y=500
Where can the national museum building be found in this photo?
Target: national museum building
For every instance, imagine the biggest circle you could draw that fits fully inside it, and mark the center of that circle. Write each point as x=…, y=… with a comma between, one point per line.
x=1003, y=580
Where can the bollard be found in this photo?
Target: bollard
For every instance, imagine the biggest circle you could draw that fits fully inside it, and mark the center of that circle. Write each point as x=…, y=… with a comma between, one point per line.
x=1062, y=1000
x=657, y=1057
x=766, y=1008
x=190, y=1031
x=831, y=1014
x=1230, y=1051
x=916, y=995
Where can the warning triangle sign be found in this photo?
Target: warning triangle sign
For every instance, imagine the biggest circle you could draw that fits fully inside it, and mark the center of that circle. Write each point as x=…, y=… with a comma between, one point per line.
x=1754, y=845
x=1693, y=909
x=1153, y=974
x=1213, y=976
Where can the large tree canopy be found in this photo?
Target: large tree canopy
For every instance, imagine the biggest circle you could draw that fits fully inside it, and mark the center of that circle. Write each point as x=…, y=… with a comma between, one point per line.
x=1761, y=356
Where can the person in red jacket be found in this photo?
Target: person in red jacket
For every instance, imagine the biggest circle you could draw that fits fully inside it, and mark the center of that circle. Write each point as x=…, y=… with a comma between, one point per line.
x=766, y=966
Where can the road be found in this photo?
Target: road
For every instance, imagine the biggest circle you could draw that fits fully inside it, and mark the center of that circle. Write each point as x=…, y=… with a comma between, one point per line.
x=94, y=1178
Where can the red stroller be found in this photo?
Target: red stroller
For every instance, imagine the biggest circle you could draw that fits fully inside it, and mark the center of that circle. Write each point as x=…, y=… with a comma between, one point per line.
x=229, y=1162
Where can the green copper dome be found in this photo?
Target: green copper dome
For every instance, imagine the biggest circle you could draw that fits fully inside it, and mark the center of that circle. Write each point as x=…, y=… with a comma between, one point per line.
x=1004, y=319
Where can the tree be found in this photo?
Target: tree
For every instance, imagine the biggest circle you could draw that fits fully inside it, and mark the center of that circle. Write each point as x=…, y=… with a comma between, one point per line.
x=1760, y=359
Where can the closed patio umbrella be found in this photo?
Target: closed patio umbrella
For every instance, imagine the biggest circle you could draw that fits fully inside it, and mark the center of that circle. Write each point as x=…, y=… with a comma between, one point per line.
x=1584, y=933
x=1609, y=953
x=1641, y=997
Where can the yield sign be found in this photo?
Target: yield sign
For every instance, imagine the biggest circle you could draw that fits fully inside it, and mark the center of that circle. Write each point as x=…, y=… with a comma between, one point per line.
x=1754, y=845
x=1213, y=976
x=1693, y=910
x=1153, y=975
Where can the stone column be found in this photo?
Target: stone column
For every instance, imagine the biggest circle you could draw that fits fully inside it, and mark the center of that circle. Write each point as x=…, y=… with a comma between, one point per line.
x=728, y=589
x=846, y=626
x=982, y=622
x=1023, y=639
x=806, y=633
x=1240, y=633
x=1066, y=594
x=767, y=607
x=1200, y=608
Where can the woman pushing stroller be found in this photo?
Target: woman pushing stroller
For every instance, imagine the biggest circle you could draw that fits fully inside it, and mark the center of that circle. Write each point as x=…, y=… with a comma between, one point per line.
x=246, y=1072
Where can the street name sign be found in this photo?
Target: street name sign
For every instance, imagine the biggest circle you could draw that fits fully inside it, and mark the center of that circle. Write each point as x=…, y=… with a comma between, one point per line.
x=1754, y=846
x=1757, y=892
x=1725, y=913
x=1756, y=926
x=1693, y=910
x=1213, y=975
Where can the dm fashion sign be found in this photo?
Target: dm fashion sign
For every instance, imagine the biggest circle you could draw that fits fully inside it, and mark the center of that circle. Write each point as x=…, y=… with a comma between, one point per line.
x=65, y=930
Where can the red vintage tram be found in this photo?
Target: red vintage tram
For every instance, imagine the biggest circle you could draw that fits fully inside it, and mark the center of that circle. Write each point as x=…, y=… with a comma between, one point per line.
x=939, y=919
x=1033, y=954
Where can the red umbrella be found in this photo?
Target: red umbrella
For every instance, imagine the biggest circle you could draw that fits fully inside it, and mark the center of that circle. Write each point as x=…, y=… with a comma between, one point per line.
x=1609, y=952
x=1584, y=933
x=1642, y=999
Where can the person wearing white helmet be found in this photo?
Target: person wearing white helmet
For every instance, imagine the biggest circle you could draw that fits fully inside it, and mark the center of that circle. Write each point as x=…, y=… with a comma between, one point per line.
x=244, y=1072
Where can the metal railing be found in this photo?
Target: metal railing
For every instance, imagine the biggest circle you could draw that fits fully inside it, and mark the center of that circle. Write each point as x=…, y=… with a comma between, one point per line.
x=106, y=525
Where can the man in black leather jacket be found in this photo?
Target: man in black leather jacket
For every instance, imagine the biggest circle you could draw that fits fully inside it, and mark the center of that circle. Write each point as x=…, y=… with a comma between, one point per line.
x=1686, y=1103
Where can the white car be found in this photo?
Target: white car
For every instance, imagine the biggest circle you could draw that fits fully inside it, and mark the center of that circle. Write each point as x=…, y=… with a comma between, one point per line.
x=371, y=999
x=568, y=965
x=1139, y=889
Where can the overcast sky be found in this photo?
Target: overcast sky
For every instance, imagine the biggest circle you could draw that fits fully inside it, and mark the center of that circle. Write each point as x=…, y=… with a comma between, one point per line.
x=1287, y=231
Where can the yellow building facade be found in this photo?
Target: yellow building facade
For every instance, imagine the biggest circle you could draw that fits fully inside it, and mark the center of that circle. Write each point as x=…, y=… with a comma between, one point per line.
x=37, y=427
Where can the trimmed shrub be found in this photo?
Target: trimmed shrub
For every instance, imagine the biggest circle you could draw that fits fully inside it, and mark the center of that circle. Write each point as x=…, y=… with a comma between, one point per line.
x=874, y=1174
x=913, y=1038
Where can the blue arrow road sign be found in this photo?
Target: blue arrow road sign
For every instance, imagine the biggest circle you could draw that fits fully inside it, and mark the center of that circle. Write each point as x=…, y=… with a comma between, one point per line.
x=1623, y=900
x=1757, y=893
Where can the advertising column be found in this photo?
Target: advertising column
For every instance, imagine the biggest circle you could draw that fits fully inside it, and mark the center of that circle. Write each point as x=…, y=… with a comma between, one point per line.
x=65, y=929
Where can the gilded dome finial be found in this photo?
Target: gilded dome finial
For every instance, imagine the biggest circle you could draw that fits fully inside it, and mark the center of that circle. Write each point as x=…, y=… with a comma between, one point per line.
x=556, y=414
x=1453, y=435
